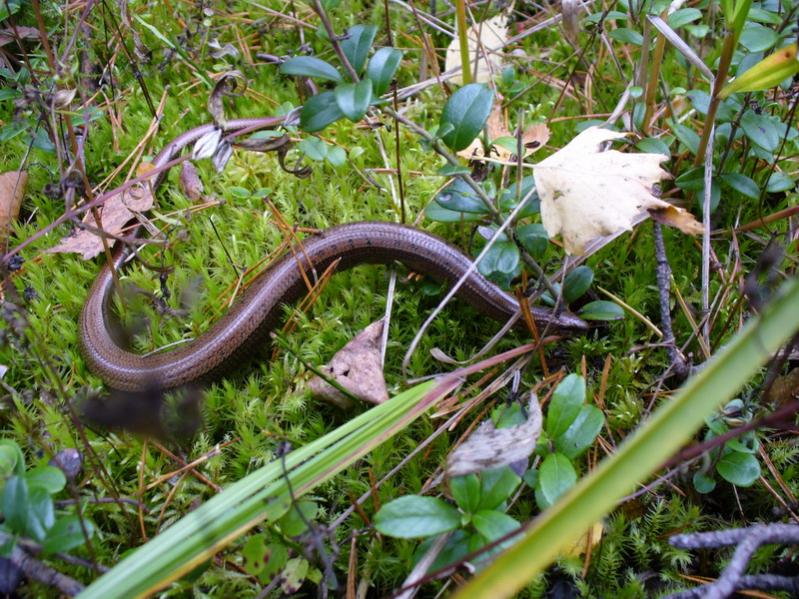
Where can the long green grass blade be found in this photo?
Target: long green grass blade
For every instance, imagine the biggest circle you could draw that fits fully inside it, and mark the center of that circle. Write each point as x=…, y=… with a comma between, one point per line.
x=643, y=453
x=262, y=495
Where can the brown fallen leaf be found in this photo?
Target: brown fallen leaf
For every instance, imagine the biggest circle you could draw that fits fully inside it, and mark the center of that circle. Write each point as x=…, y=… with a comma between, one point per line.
x=114, y=215
x=533, y=137
x=356, y=367
x=8, y=35
x=785, y=388
x=12, y=190
x=491, y=447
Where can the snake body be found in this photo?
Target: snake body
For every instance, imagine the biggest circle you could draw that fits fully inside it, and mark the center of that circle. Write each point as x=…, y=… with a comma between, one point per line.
x=245, y=327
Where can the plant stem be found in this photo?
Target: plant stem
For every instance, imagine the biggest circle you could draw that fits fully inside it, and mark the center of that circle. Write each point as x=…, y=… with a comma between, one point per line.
x=463, y=40
x=718, y=82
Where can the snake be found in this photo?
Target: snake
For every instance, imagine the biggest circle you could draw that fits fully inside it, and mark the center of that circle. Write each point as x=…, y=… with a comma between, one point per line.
x=245, y=327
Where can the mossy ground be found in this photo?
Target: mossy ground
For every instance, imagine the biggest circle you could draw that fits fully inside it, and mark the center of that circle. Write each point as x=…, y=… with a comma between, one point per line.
x=255, y=409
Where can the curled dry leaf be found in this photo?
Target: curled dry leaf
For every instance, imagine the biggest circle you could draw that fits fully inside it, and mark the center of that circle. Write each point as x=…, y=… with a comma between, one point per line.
x=491, y=447
x=357, y=368
x=12, y=190
x=190, y=181
x=485, y=42
x=587, y=193
x=114, y=215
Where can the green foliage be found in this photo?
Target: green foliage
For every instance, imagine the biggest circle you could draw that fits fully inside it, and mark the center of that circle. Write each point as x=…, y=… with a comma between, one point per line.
x=465, y=114
x=28, y=508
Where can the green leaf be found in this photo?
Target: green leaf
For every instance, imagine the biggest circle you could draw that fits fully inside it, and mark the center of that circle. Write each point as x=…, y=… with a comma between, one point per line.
x=493, y=525
x=12, y=460
x=41, y=513
x=466, y=492
x=686, y=136
x=319, y=111
x=741, y=469
x=502, y=263
x=496, y=486
x=292, y=524
x=601, y=310
x=742, y=184
x=454, y=550
x=530, y=478
x=414, y=516
x=566, y=401
x=357, y=44
x=746, y=443
x=680, y=18
x=653, y=145
x=509, y=198
x=336, y=156
x=310, y=66
x=450, y=170
x=577, y=282
x=16, y=504
x=459, y=198
x=533, y=238
x=354, y=98
x=703, y=483
x=49, y=478
x=770, y=71
x=9, y=94
x=764, y=16
x=757, y=38
x=582, y=432
x=761, y=130
x=466, y=112
x=67, y=534
x=556, y=475
x=627, y=36
x=314, y=148
x=382, y=67
x=779, y=182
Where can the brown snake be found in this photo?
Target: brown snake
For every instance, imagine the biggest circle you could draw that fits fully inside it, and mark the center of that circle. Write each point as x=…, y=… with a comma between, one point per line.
x=246, y=325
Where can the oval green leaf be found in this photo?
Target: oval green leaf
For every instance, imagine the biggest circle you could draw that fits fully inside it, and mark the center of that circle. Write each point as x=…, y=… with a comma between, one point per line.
x=49, y=478
x=310, y=66
x=357, y=44
x=501, y=264
x=493, y=525
x=414, y=516
x=555, y=476
x=577, y=282
x=67, y=534
x=382, y=67
x=567, y=399
x=496, y=486
x=466, y=492
x=741, y=469
x=582, y=432
x=319, y=111
x=533, y=238
x=466, y=113
x=601, y=310
x=353, y=99
x=742, y=184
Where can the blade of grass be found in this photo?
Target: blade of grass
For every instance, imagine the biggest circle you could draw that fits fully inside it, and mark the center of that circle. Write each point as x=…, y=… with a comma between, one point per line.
x=643, y=453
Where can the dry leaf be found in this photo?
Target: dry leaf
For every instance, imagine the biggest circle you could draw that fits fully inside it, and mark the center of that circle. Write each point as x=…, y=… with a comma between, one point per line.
x=12, y=189
x=485, y=40
x=491, y=447
x=190, y=181
x=357, y=368
x=586, y=193
x=533, y=137
x=114, y=215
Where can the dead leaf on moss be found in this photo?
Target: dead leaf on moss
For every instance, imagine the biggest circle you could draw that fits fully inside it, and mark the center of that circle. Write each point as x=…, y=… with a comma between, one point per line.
x=491, y=447
x=587, y=193
x=114, y=215
x=12, y=190
x=485, y=40
x=357, y=368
